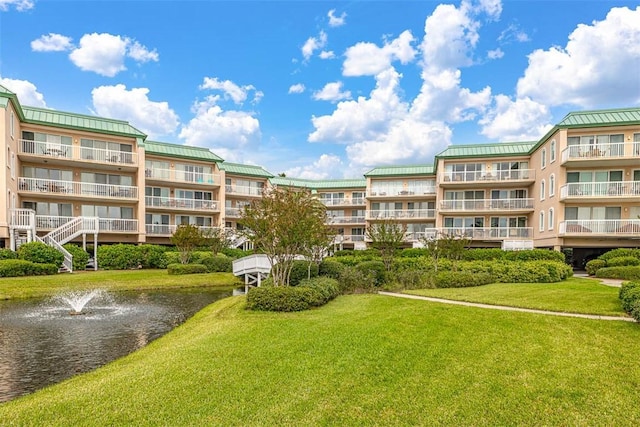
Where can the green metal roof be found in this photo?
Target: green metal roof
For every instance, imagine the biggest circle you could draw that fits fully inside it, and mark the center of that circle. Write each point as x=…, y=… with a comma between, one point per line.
x=247, y=170
x=498, y=149
x=5, y=96
x=291, y=182
x=80, y=122
x=601, y=118
x=400, y=171
x=340, y=184
x=181, y=151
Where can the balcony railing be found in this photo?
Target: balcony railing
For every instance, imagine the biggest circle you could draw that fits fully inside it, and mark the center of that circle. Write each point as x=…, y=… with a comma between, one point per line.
x=49, y=222
x=489, y=176
x=401, y=214
x=178, y=203
x=487, y=205
x=345, y=201
x=601, y=151
x=612, y=227
x=166, y=229
x=243, y=190
x=182, y=176
x=346, y=238
x=333, y=220
x=233, y=212
x=489, y=233
x=402, y=190
x=74, y=152
x=75, y=188
x=600, y=189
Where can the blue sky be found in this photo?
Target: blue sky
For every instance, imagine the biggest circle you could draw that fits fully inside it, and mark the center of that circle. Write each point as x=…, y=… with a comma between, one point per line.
x=322, y=89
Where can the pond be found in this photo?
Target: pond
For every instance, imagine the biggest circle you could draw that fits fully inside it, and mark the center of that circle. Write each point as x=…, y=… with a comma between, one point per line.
x=44, y=341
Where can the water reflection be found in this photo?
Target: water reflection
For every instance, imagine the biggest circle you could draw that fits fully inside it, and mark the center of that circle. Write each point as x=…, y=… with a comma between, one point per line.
x=41, y=344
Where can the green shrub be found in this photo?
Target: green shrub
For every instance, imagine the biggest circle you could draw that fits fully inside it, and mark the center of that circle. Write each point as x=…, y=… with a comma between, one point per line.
x=594, y=265
x=461, y=279
x=80, y=256
x=629, y=294
x=620, y=252
x=6, y=253
x=412, y=263
x=326, y=288
x=535, y=255
x=635, y=310
x=624, y=273
x=217, y=264
x=301, y=270
x=622, y=261
x=171, y=257
x=281, y=298
x=119, y=256
x=186, y=268
x=367, y=253
x=330, y=268
x=40, y=253
x=152, y=256
x=487, y=254
x=353, y=280
x=376, y=268
x=413, y=253
x=412, y=279
x=234, y=253
x=20, y=267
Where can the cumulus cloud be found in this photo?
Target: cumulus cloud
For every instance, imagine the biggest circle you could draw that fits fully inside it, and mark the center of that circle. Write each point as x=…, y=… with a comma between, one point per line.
x=332, y=92
x=51, y=42
x=297, y=88
x=368, y=59
x=579, y=72
x=495, y=54
x=327, y=54
x=314, y=43
x=26, y=91
x=230, y=90
x=336, y=21
x=326, y=167
x=140, y=53
x=20, y=5
x=151, y=117
x=513, y=33
x=519, y=120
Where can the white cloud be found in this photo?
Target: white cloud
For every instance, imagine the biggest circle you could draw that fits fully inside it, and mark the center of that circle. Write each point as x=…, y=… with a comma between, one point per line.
x=513, y=33
x=314, y=43
x=327, y=54
x=336, y=21
x=21, y=5
x=332, y=92
x=238, y=94
x=153, y=118
x=225, y=132
x=493, y=8
x=105, y=53
x=367, y=59
x=495, y=54
x=326, y=167
x=519, y=120
x=297, y=88
x=51, y=42
x=26, y=91
x=599, y=65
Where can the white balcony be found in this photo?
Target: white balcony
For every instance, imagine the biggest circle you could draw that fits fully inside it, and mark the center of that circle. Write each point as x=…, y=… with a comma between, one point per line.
x=189, y=177
x=348, y=238
x=243, y=190
x=601, y=227
x=75, y=188
x=233, y=212
x=515, y=176
x=401, y=214
x=337, y=220
x=165, y=230
x=175, y=203
x=59, y=152
x=106, y=225
x=345, y=201
x=625, y=153
x=487, y=205
x=598, y=190
x=489, y=233
x=402, y=191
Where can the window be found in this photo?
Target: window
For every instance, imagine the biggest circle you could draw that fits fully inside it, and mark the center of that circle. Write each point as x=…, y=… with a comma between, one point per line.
x=596, y=145
x=543, y=160
x=464, y=172
x=509, y=170
x=552, y=185
x=552, y=149
x=156, y=169
x=105, y=151
x=636, y=144
x=541, y=221
x=551, y=220
x=200, y=221
x=49, y=209
x=542, y=189
x=12, y=124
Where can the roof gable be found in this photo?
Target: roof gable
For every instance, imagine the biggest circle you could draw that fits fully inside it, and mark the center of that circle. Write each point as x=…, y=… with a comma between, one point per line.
x=180, y=151
x=246, y=170
x=400, y=171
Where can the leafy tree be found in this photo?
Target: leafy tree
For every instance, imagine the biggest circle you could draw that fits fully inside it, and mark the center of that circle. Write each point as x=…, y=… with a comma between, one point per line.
x=446, y=245
x=216, y=239
x=386, y=236
x=285, y=223
x=186, y=238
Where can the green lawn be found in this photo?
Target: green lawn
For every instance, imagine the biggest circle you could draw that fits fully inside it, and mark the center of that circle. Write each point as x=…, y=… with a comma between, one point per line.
x=37, y=286
x=575, y=295
x=360, y=360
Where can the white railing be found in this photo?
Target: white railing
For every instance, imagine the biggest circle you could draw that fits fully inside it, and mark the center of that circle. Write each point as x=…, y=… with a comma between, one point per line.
x=23, y=219
x=601, y=151
x=487, y=205
x=244, y=190
x=182, y=176
x=116, y=225
x=400, y=190
x=348, y=238
x=73, y=228
x=345, y=220
x=490, y=176
x=233, y=212
x=416, y=236
x=401, y=214
x=167, y=229
x=614, y=227
x=346, y=201
x=178, y=203
x=64, y=151
x=258, y=263
x=489, y=233
x=68, y=258
x=75, y=188
x=599, y=189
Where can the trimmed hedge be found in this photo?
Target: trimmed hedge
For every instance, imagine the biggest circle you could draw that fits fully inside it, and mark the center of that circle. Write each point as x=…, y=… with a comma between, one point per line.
x=186, y=268
x=20, y=267
x=525, y=255
x=376, y=268
x=412, y=279
x=152, y=256
x=119, y=256
x=630, y=299
x=301, y=270
x=622, y=261
x=40, y=253
x=217, y=264
x=620, y=252
x=330, y=268
x=6, y=253
x=518, y=271
x=354, y=280
x=624, y=273
x=310, y=293
x=461, y=279
x=594, y=265
x=80, y=256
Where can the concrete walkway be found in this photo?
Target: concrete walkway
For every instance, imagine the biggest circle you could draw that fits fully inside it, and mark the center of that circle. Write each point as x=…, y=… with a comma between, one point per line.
x=506, y=308
x=616, y=283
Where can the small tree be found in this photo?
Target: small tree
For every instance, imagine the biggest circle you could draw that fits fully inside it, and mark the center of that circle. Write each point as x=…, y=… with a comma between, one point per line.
x=216, y=239
x=446, y=245
x=284, y=223
x=186, y=238
x=387, y=237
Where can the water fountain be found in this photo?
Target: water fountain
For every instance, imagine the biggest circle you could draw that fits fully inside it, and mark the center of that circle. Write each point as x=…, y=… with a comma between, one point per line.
x=78, y=300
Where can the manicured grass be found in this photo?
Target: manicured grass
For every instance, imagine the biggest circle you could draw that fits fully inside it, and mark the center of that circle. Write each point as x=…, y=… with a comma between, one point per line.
x=575, y=295
x=360, y=360
x=37, y=286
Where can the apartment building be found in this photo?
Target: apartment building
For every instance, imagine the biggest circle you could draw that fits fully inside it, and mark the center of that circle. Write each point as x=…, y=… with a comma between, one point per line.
x=69, y=177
